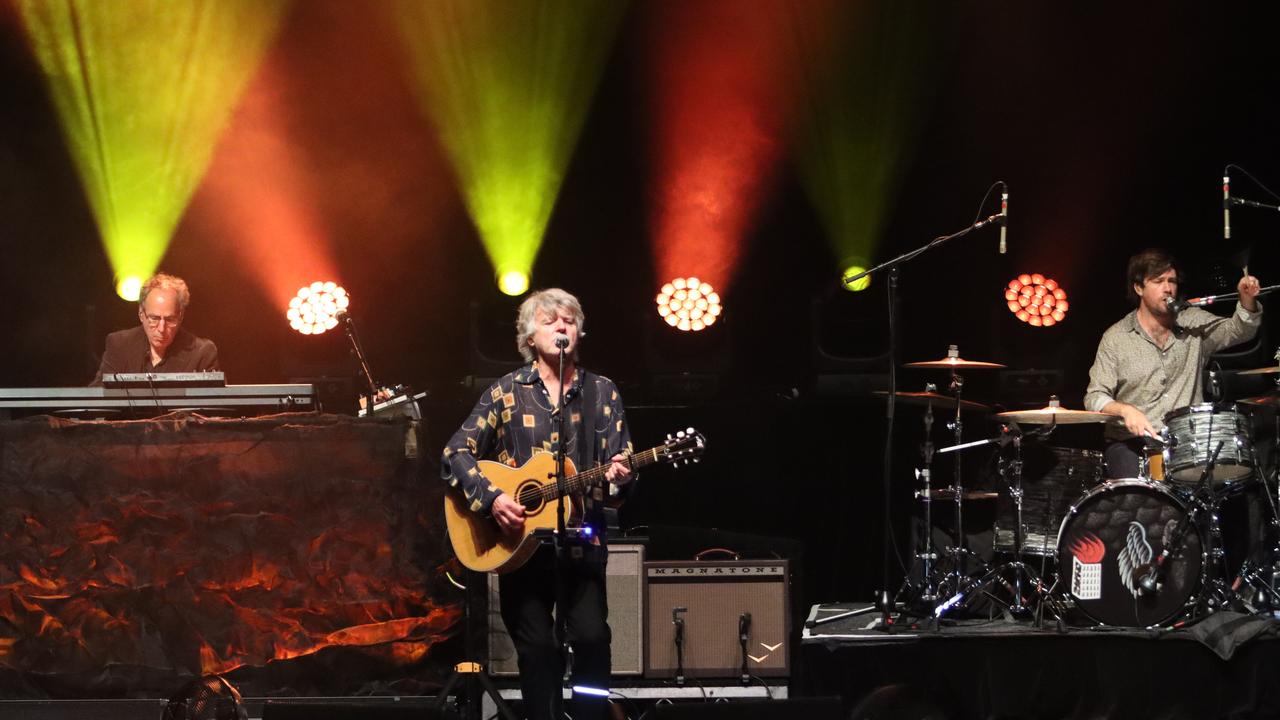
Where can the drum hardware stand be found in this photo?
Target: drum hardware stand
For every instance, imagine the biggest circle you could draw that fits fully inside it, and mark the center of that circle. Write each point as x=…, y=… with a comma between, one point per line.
x=884, y=597
x=1255, y=575
x=1214, y=591
x=958, y=577
x=1017, y=569
x=927, y=590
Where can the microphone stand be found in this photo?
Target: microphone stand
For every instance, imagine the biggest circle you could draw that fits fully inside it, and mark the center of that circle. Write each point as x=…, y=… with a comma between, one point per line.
x=1211, y=299
x=349, y=325
x=561, y=541
x=884, y=597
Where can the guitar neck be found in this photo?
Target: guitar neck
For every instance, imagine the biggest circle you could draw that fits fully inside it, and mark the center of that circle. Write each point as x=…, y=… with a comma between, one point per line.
x=578, y=484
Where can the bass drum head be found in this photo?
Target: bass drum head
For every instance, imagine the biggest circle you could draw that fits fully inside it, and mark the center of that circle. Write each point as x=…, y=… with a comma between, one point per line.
x=1110, y=537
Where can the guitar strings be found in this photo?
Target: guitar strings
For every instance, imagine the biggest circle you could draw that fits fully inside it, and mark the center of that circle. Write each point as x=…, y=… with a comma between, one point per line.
x=575, y=483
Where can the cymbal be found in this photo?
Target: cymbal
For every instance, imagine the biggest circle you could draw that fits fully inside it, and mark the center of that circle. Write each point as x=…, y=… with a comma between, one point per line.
x=1268, y=401
x=1260, y=371
x=955, y=363
x=942, y=401
x=949, y=493
x=1052, y=415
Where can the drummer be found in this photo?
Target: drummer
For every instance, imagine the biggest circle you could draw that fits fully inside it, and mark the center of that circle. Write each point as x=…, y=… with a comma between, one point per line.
x=1152, y=361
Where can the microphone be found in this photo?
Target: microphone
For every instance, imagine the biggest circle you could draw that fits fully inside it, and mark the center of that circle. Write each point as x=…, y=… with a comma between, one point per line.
x=1175, y=304
x=1226, y=206
x=1146, y=576
x=1004, y=220
x=562, y=341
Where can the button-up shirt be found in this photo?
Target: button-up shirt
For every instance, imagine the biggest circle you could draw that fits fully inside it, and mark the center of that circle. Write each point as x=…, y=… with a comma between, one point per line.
x=515, y=419
x=1131, y=368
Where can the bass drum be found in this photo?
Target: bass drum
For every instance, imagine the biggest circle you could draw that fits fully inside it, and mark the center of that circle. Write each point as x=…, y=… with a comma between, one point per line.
x=1111, y=537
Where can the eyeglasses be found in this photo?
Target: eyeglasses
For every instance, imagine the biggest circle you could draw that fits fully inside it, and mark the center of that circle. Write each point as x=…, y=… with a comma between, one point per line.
x=155, y=320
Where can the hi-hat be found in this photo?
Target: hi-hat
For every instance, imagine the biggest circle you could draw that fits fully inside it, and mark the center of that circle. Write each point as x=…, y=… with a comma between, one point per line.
x=1259, y=371
x=932, y=398
x=955, y=363
x=1054, y=414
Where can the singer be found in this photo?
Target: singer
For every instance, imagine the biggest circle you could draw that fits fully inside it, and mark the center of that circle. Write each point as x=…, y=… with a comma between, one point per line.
x=515, y=418
x=1152, y=361
x=159, y=343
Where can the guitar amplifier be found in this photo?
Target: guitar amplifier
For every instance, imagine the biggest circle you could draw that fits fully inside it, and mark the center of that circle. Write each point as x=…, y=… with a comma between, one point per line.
x=713, y=600
x=625, y=590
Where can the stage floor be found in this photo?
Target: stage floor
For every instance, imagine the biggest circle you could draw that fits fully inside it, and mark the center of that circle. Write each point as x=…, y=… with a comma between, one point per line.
x=1225, y=666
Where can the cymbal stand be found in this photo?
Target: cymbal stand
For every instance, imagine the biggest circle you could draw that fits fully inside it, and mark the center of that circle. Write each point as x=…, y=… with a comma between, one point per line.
x=957, y=426
x=1013, y=576
x=927, y=590
x=1264, y=578
x=927, y=558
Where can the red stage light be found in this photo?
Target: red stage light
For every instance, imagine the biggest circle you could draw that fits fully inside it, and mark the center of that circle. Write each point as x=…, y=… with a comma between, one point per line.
x=1036, y=300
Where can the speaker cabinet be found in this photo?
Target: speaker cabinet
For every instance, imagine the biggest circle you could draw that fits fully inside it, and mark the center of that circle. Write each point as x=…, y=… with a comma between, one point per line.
x=625, y=590
x=823, y=708
x=711, y=599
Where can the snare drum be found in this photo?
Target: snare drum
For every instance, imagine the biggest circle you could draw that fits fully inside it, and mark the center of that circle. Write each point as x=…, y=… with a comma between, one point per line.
x=1108, y=540
x=1194, y=432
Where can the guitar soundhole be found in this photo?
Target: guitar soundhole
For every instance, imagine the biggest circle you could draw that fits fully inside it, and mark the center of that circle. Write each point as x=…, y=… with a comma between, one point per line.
x=529, y=495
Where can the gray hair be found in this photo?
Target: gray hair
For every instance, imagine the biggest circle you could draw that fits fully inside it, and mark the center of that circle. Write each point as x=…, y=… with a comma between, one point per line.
x=164, y=281
x=550, y=301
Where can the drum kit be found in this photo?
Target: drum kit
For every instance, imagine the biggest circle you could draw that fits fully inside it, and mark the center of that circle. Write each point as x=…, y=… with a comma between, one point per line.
x=1137, y=552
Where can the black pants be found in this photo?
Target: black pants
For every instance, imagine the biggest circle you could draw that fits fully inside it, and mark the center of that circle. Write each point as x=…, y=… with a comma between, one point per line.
x=528, y=596
x=1121, y=459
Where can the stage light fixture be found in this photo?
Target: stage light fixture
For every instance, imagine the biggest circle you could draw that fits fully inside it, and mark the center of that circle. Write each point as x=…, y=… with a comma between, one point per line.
x=688, y=304
x=860, y=284
x=130, y=288
x=316, y=306
x=513, y=282
x=1036, y=300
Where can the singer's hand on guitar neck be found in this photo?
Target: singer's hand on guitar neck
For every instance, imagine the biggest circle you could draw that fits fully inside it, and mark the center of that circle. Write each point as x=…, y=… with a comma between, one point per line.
x=619, y=472
x=1249, y=288
x=508, y=513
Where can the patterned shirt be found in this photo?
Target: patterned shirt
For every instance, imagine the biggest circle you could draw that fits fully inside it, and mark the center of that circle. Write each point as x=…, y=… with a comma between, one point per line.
x=514, y=420
x=1131, y=368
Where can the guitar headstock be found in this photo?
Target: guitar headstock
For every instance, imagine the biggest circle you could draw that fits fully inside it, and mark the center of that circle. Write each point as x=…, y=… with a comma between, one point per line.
x=684, y=447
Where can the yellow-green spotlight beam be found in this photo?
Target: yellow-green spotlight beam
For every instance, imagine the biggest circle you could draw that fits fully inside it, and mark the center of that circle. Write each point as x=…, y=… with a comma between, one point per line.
x=507, y=84
x=862, y=87
x=142, y=89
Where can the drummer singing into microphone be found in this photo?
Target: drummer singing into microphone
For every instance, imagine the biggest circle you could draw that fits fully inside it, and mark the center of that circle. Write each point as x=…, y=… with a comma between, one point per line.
x=1152, y=361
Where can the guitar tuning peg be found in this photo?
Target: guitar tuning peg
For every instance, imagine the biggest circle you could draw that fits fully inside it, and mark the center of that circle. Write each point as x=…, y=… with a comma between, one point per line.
x=680, y=434
x=690, y=431
x=697, y=460
x=668, y=436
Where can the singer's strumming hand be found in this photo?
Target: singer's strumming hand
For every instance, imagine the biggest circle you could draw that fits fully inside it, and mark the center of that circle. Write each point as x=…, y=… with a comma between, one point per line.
x=508, y=513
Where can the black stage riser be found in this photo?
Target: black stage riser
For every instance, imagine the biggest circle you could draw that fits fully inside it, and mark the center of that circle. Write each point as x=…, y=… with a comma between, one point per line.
x=82, y=709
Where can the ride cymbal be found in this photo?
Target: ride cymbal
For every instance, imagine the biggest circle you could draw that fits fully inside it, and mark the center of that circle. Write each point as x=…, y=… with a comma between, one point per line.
x=1260, y=371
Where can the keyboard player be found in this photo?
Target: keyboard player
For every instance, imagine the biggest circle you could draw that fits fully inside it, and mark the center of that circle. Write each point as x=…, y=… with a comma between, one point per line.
x=159, y=343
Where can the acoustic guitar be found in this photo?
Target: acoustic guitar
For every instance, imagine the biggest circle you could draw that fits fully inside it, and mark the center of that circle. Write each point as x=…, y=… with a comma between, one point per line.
x=482, y=546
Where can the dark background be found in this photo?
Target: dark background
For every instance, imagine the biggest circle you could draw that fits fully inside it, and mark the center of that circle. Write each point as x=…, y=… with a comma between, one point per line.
x=1111, y=124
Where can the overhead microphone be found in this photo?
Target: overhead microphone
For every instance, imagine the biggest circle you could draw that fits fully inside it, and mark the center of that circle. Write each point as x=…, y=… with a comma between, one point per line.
x=1004, y=219
x=1226, y=205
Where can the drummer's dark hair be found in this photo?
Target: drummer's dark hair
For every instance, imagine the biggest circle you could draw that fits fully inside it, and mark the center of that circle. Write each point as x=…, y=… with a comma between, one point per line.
x=1147, y=264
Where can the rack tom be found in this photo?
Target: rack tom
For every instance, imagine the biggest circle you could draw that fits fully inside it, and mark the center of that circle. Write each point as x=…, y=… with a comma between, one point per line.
x=1195, y=431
